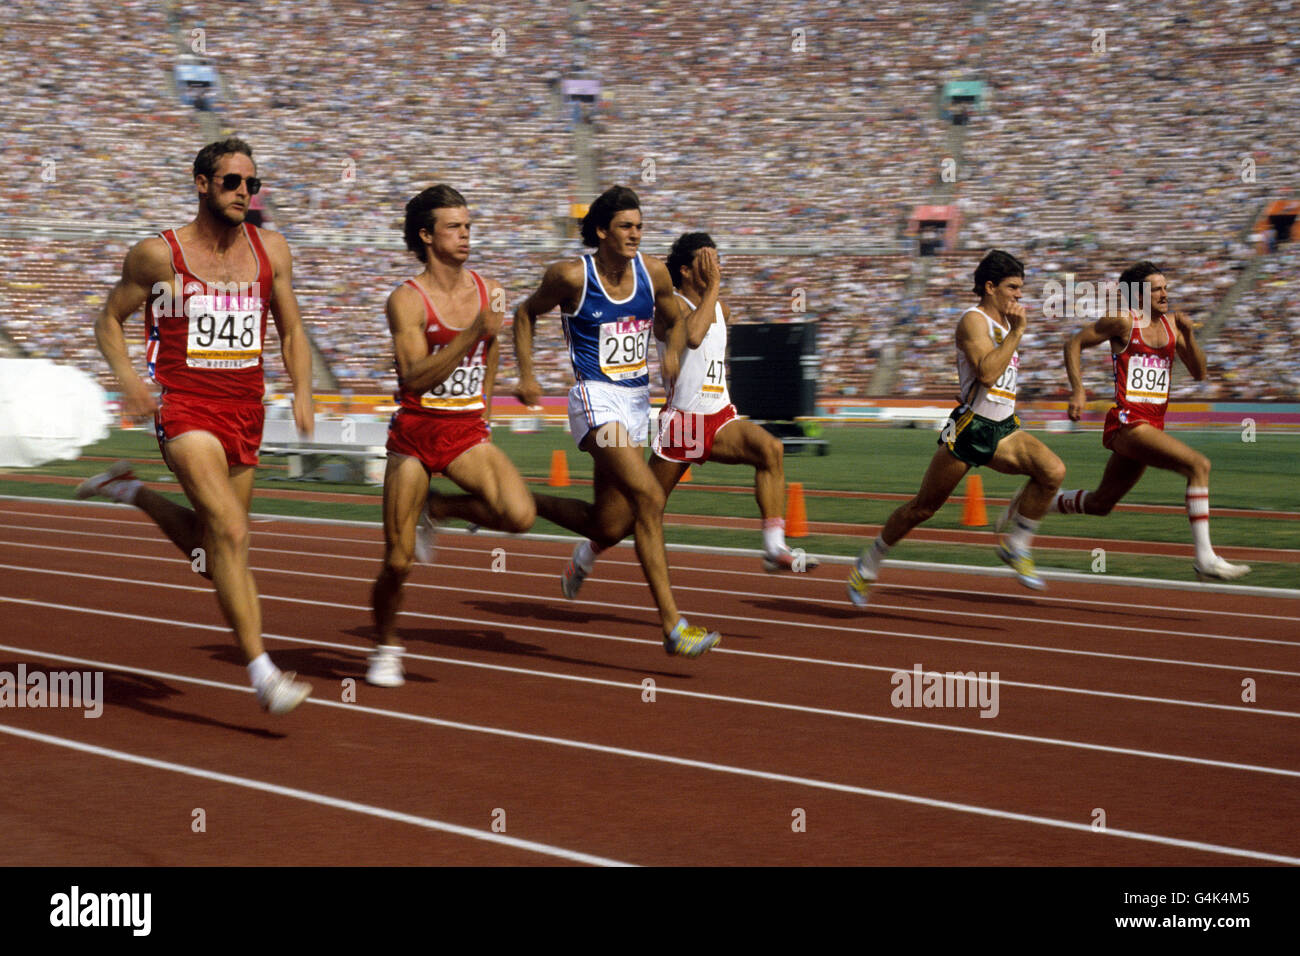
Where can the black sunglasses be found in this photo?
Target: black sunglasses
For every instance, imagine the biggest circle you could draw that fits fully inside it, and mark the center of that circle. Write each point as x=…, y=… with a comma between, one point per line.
x=230, y=182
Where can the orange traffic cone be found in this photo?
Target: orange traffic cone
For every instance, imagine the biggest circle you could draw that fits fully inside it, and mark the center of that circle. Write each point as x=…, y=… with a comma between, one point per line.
x=559, y=470
x=973, y=514
x=686, y=475
x=796, y=518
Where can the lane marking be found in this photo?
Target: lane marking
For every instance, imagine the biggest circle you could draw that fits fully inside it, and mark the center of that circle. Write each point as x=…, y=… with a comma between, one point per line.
x=767, y=655
x=798, y=621
x=904, y=798
x=700, y=695
x=309, y=796
x=987, y=571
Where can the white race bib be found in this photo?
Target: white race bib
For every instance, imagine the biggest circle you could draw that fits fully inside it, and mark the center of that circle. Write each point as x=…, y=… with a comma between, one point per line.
x=715, y=377
x=623, y=348
x=225, y=332
x=463, y=389
x=1148, y=379
x=1003, y=391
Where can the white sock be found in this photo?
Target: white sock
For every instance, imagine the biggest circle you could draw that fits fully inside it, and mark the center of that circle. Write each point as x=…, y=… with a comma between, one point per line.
x=261, y=670
x=585, y=556
x=870, y=559
x=1022, y=533
x=774, y=535
x=1069, y=502
x=1198, y=515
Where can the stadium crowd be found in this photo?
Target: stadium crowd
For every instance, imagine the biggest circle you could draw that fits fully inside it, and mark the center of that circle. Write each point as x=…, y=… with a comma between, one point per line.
x=1158, y=137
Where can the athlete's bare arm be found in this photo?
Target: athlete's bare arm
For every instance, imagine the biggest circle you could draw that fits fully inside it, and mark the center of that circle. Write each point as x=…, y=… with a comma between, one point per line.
x=148, y=262
x=293, y=337
x=1113, y=328
x=990, y=360
x=672, y=318
x=1189, y=350
x=417, y=369
x=700, y=321
x=560, y=288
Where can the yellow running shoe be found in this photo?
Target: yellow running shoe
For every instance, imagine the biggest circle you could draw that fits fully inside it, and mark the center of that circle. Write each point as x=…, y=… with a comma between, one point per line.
x=690, y=641
x=1022, y=562
x=858, y=586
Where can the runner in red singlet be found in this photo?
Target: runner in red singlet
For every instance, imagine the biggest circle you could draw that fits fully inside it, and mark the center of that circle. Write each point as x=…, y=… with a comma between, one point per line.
x=444, y=324
x=1143, y=345
x=209, y=287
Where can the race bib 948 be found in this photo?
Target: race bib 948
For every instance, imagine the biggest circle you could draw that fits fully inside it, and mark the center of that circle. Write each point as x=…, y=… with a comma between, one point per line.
x=225, y=332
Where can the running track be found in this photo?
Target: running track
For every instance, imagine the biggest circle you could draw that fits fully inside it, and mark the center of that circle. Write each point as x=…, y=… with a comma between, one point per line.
x=525, y=709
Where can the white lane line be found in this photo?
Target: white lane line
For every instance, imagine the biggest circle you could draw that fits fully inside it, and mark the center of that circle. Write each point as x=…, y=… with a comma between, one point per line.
x=637, y=580
x=320, y=799
x=854, y=630
x=767, y=655
x=1073, y=577
x=699, y=695
x=566, y=742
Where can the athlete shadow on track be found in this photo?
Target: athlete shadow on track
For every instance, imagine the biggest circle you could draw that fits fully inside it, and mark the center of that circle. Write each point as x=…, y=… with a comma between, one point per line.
x=855, y=615
x=143, y=694
x=551, y=614
x=1027, y=600
x=496, y=642
x=315, y=663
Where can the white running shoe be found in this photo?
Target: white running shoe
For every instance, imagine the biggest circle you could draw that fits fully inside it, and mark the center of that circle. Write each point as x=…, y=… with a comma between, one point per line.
x=108, y=484
x=426, y=536
x=1221, y=570
x=282, y=693
x=385, y=668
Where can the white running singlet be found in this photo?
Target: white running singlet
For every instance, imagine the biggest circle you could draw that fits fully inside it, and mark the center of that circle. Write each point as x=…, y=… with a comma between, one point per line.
x=996, y=402
x=702, y=382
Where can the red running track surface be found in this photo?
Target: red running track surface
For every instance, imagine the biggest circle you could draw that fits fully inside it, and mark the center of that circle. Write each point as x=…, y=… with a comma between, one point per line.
x=528, y=731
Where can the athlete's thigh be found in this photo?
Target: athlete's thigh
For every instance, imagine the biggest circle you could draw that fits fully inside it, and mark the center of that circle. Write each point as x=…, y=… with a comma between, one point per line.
x=623, y=474
x=199, y=462
x=1020, y=453
x=667, y=473
x=941, y=477
x=739, y=442
x=486, y=472
x=406, y=485
x=241, y=478
x=1151, y=446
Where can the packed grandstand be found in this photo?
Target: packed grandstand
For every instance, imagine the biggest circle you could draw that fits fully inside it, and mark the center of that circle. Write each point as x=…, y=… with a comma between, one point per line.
x=805, y=137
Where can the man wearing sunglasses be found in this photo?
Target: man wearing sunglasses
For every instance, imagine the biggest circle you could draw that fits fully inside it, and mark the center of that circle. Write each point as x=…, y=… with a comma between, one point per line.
x=208, y=288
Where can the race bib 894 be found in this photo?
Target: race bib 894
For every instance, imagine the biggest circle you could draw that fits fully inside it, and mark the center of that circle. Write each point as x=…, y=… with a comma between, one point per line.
x=1148, y=379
